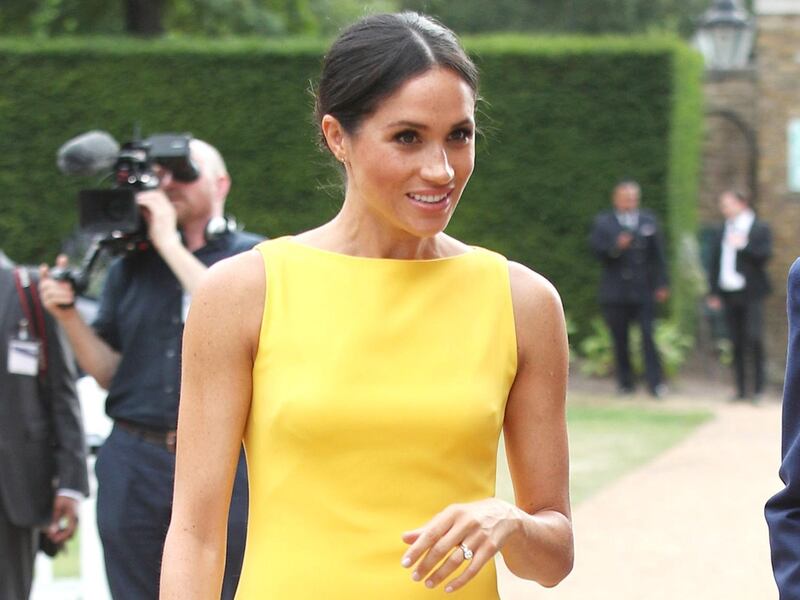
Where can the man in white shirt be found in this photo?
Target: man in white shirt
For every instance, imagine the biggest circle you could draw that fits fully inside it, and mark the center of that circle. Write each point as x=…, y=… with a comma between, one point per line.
x=738, y=283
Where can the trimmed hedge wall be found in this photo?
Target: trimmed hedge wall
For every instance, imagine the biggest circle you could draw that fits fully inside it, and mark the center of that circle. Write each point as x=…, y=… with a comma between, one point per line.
x=563, y=120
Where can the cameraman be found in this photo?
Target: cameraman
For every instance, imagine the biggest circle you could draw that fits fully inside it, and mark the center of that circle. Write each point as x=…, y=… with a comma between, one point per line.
x=133, y=350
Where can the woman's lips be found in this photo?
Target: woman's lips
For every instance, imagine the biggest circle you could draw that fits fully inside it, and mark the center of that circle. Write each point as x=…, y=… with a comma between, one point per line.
x=430, y=199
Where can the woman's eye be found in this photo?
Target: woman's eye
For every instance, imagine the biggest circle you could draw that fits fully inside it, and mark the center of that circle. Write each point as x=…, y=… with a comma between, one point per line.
x=406, y=137
x=461, y=135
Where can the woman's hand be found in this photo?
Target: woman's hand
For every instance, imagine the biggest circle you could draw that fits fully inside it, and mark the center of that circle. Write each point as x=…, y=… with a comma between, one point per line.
x=482, y=527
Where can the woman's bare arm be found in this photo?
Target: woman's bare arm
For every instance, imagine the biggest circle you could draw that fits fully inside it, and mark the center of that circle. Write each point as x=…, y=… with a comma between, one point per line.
x=219, y=347
x=536, y=434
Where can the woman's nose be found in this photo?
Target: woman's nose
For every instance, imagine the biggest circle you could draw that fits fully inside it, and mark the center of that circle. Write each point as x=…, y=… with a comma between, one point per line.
x=437, y=168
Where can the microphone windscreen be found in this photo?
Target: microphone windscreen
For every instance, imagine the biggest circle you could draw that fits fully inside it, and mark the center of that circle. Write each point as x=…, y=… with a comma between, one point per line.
x=88, y=154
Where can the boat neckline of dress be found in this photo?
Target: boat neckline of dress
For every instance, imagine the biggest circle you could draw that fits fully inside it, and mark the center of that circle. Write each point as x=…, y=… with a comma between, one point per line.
x=377, y=259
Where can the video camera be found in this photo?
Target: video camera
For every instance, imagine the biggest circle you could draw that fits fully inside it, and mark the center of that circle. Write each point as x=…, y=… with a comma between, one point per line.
x=110, y=215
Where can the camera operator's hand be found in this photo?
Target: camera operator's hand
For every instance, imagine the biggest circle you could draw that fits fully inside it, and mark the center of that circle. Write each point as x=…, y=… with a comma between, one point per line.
x=162, y=227
x=58, y=297
x=94, y=355
x=161, y=218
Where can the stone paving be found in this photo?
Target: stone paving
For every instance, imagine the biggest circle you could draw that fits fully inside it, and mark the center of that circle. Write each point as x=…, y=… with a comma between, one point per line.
x=687, y=526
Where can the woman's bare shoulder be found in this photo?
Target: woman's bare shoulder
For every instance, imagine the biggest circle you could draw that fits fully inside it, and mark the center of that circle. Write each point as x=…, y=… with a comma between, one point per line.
x=241, y=273
x=230, y=298
x=538, y=314
x=530, y=291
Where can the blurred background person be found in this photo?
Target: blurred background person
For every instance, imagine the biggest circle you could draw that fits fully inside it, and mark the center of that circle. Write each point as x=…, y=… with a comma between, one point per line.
x=42, y=451
x=627, y=240
x=133, y=349
x=738, y=284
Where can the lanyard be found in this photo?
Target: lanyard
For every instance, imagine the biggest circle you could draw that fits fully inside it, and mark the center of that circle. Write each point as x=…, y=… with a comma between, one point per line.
x=35, y=319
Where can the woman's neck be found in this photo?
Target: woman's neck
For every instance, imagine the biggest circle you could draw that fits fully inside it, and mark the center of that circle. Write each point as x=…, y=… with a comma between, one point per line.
x=359, y=233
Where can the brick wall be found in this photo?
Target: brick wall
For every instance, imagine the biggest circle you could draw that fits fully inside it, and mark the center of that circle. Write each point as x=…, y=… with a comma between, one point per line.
x=727, y=154
x=778, y=55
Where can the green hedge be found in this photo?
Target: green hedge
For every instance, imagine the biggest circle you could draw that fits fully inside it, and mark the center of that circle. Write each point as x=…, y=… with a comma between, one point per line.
x=563, y=119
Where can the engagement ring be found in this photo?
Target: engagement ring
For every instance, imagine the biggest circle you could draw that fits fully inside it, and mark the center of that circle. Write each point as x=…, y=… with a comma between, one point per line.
x=467, y=552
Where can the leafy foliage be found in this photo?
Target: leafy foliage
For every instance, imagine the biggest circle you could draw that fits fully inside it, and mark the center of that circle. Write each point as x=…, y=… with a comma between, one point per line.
x=225, y=17
x=273, y=17
x=52, y=17
x=597, y=351
x=334, y=15
x=571, y=16
x=207, y=17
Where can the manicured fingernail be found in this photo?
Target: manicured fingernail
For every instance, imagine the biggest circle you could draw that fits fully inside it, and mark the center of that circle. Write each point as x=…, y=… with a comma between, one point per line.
x=415, y=576
x=406, y=562
x=429, y=583
x=448, y=589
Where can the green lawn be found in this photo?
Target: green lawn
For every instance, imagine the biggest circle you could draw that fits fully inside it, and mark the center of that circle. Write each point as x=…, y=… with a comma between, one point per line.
x=608, y=439
x=67, y=563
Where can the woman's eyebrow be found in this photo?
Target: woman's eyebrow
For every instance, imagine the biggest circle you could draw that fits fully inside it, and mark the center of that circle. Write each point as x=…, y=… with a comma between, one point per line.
x=414, y=125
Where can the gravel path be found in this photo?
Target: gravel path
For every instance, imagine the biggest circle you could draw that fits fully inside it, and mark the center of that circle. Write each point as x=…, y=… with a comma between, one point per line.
x=687, y=526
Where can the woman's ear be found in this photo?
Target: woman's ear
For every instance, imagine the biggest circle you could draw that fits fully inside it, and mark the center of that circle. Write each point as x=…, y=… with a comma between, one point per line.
x=335, y=136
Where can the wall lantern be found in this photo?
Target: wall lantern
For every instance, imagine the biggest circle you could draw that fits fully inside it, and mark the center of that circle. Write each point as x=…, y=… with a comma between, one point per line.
x=725, y=36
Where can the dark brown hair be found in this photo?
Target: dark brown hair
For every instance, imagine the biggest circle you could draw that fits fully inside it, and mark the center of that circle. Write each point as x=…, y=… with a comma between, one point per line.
x=373, y=57
x=739, y=194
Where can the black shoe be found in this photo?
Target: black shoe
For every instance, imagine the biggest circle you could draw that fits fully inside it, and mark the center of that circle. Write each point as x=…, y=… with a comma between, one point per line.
x=626, y=390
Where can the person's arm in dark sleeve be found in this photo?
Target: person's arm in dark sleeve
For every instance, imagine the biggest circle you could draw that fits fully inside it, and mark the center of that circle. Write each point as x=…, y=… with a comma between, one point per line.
x=759, y=246
x=783, y=509
x=603, y=240
x=659, y=250
x=67, y=422
x=66, y=434
x=714, y=263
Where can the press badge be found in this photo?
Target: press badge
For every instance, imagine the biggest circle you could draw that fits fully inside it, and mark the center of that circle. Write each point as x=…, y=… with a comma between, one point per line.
x=187, y=301
x=23, y=357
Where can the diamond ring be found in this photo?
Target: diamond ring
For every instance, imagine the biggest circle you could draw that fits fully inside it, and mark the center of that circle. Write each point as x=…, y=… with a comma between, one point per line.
x=467, y=552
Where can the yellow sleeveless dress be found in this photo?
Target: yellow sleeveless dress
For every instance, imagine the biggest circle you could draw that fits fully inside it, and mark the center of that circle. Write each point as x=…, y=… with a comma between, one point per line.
x=379, y=391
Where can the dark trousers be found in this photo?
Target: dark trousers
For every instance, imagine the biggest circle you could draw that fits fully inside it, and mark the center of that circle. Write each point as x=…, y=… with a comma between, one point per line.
x=134, y=501
x=17, y=551
x=745, y=320
x=619, y=317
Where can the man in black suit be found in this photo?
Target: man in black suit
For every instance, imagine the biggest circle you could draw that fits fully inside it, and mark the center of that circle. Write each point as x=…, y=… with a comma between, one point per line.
x=42, y=451
x=628, y=242
x=738, y=282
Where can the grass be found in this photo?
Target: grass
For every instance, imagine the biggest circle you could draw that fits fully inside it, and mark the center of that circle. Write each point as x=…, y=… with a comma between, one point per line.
x=67, y=563
x=609, y=439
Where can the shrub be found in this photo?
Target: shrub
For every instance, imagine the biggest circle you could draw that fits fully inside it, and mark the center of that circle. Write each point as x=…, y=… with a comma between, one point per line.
x=597, y=351
x=564, y=119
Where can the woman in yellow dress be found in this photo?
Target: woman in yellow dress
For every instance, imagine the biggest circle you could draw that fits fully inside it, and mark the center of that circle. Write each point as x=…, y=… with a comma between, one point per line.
x=370, y=365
